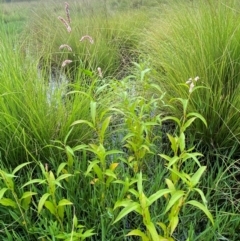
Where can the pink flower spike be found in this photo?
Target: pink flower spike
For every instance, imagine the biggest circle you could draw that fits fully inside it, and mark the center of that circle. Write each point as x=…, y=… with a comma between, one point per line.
x=89, y=38
x=65, y=62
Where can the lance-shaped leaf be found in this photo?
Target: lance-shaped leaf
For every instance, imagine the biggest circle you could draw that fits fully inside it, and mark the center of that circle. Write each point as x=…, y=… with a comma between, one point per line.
x=196, y=177
x=158, y=195
x=42, y=201
x=198, y=116
x=20, y=167
x=133, y=206
x=175, y=197
x=203, y=208
x=137, y=232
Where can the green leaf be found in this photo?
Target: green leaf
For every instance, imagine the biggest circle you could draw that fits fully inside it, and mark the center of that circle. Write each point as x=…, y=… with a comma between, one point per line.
x=7, y=178
x=170, y=184
x=49, y=205
x=173, y=160
x=203, y=208
x=175, y=197
x=152, y=230
x=158, y=195
x=27, y=194
x=193, y=156
x=63, y=176
x=42, y=201
x=181, y=141
x=60, y=167
x=122, y=203
x=181, y=175
x=172, y=118
x=199, y=116
x=187, y=124
x=87, y=233
x=69, y=150
x=174, y=223
x=93, y=108
x=20, y=167
x=113, y=152
x=64, y=202
x=134, y=192
x=196, y=177
x=83, y=122
x=163, y=227
x=98, y=171
x=90, y=166
x=137, y=232
x=139, y=183
x=133, y=206
x=110, y=173
x=79, y=147
x=52, y=182
x=60, y=212
x=105, y=125
x=75, y=221
x=39, y=181
x=8, y=202
x=26, y=199
x=66, y=137
x=184, y=104
x=168, y=158
x=2, y=191
x=174, y=142
x=202, y=195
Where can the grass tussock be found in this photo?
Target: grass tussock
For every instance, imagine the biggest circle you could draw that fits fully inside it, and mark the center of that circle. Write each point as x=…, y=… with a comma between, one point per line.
x=201, y=39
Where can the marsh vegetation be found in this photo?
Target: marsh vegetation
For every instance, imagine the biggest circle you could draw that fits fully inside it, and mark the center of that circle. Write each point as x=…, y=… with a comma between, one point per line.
x=119, y=120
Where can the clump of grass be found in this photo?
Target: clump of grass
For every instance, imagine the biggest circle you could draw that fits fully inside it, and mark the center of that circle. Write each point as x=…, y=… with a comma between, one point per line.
x=33, y=114
x=201, y=39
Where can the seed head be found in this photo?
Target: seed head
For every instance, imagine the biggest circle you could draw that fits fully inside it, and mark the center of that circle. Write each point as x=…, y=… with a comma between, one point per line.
x=65, y=23
x=67, y=12
x=66, y=46
x=89, y=38
x=66, y=62
x=100, y=72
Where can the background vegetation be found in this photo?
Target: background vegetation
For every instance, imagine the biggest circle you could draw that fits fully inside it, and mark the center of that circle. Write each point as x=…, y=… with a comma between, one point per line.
x=116, y=145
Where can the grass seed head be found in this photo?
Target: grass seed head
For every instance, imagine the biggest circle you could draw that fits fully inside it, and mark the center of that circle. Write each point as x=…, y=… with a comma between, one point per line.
x=89, y=38
x=67, y=12
x=65, y=46
x=65, y=23
x=66, y=62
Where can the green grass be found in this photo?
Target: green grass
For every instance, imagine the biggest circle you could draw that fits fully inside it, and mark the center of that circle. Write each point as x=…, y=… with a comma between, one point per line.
x=197, y=40
x=65, y=133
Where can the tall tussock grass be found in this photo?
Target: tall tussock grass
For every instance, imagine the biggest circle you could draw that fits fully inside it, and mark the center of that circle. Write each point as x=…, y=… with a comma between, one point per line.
x=32, y=112
x=201, y=39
